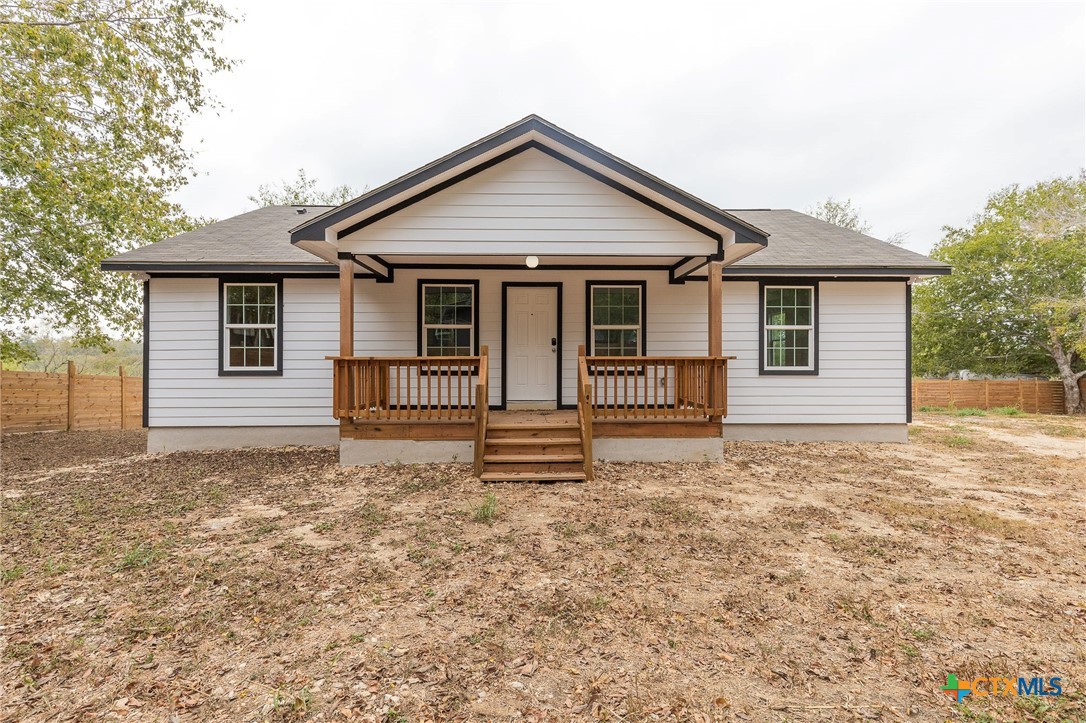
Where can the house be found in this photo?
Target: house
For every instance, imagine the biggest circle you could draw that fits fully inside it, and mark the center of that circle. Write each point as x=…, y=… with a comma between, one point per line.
x=431, y=318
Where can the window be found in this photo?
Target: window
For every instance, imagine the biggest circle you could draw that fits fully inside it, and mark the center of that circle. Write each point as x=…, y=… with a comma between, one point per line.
x=251, y=332
x=616, y=319
x=788, y=329
x=448, y=318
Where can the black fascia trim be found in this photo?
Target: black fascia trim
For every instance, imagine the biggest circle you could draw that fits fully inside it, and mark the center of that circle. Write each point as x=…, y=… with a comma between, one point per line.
x=824, y=271
x=240, y=268
x=606, y=180
x=278, y=371
x=146, y=351
x=314, y=229
x=739, y=227
x=540, y=268
x=232, y=276
x=762, y=371
x=505, y=322
x=810, y=279
x=588, y=311
x=474, y=310
x=908, y=353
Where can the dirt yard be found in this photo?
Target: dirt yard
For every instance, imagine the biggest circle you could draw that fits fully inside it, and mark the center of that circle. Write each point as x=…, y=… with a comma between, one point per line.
x=794, y=582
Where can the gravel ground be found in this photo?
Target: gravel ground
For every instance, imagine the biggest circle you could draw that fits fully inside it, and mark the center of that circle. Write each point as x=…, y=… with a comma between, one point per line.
x=791, y=582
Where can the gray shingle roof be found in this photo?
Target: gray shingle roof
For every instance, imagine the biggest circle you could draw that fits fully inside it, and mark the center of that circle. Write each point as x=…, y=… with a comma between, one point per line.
x=799, y=240
x=261, y=238
x=257, y=237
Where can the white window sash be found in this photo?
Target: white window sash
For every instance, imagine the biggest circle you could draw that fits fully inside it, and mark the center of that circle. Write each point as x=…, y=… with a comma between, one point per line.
x=767, y=349
x=470, y=327
x=226, y=365
x=621, y=327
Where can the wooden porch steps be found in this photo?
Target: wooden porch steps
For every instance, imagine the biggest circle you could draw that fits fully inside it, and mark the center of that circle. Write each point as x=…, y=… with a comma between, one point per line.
x=533, y=451
x=532, y=477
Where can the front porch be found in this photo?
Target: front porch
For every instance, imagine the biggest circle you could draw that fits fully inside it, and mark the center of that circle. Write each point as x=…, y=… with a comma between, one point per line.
x=419, y=409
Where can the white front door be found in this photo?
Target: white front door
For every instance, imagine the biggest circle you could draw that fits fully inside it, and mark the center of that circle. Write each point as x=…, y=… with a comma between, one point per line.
x=531, y=351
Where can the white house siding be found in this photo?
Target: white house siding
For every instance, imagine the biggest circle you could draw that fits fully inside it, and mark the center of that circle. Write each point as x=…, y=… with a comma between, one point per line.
x=861, y=349
x=387, y=314
x=185, y=389
x=529, y=204
x=862, y=344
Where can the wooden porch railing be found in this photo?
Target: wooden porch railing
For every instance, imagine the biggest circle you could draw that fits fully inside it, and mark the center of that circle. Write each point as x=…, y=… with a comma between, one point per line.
x=407, y=388
x=658, y=387
x=482, y=409
x=584, y=412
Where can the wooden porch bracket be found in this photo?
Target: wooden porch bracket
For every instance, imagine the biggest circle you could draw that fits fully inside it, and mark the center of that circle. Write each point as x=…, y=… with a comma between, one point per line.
x=680, y=271
x=382, y=271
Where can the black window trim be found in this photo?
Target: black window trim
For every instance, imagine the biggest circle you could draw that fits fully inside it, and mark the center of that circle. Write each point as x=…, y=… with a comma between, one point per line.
x=812, y=284
x=588, y=285
x=422, y=283
x=256, y=372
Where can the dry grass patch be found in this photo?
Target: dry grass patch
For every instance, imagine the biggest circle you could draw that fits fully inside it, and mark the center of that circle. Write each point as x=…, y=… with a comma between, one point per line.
x=909, y=515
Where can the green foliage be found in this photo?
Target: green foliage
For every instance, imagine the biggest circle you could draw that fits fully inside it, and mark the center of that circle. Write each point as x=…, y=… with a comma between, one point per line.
x=303, y=191
x=1016, y=301
x=1006, y=411
x=52, y=354
x=93, y=94
x=487, y=510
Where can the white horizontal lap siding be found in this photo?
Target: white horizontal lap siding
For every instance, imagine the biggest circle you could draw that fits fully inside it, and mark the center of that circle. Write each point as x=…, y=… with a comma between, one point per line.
x=185, y=388
x=529, y=204
x=861, y=348
x=386, y=317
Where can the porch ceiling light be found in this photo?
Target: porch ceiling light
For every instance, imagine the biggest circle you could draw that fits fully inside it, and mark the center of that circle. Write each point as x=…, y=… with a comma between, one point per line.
x=531, y=261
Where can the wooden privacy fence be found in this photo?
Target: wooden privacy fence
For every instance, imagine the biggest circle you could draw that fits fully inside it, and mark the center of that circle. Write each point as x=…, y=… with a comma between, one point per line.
x=1036, y=397
x=41, y=401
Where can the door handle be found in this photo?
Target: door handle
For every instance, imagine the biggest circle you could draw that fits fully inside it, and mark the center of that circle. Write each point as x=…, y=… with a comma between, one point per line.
x=554, y=345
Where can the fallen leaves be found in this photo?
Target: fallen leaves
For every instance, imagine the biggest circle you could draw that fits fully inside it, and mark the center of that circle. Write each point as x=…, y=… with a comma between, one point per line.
x=772, y=582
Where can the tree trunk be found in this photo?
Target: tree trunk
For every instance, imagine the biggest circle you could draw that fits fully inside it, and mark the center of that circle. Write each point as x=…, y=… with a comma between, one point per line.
x=1072, y=395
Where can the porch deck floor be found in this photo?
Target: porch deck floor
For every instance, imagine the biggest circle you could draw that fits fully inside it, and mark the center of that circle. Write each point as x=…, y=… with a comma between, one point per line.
x=534, y=417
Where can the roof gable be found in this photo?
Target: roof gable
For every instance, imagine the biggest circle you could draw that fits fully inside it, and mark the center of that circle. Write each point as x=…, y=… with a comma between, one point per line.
x=531, y=202
x=531, y=132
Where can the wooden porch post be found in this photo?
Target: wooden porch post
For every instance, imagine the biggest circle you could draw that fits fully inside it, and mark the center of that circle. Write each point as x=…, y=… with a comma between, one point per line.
x=716, y=341
x=346, y=307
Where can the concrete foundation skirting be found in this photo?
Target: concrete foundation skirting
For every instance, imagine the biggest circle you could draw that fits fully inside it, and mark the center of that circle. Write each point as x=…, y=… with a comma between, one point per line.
x=405, y=451
x=658, y=449
x=816, y=432
x=177, y=439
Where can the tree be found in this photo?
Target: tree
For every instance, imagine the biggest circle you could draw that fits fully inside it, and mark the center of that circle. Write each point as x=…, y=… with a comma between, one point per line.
x=301, y=192
x=840, y=213
x=1016, y=301
x=93, y=95
x=846, y=215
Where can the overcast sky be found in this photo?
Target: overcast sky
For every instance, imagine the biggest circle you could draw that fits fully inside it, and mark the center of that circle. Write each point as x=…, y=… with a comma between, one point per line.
x=916, y=111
